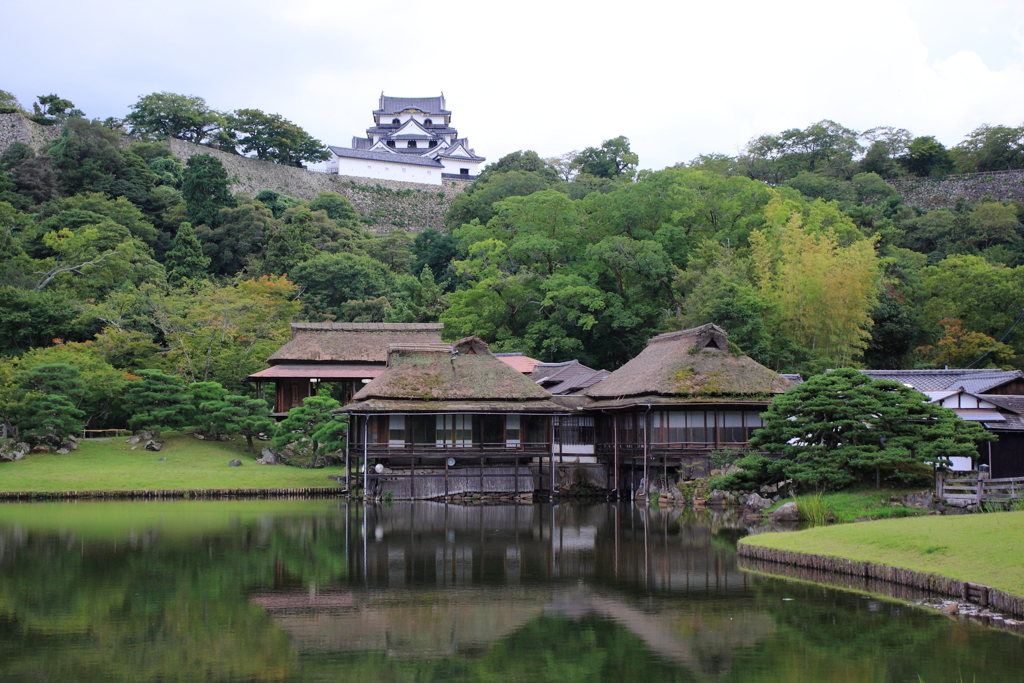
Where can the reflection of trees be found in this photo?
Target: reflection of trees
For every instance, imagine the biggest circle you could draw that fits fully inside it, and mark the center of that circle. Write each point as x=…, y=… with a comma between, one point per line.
x=152, y=608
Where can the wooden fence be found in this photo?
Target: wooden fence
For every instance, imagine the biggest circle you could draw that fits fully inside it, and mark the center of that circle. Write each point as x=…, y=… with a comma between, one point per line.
x=978, y=491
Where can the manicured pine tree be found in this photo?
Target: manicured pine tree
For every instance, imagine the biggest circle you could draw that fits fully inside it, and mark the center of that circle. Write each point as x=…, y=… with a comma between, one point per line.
x=185, y=260
x=206, y=398
x=48, y=414
x=157, y=401
x=241, y=414
x=315, y=421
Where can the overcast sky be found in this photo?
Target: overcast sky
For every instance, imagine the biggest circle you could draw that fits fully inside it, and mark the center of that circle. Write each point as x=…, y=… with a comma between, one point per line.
x=678, y=78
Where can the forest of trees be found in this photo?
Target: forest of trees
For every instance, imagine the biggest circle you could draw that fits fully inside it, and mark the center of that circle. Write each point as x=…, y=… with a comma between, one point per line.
x=116, y=258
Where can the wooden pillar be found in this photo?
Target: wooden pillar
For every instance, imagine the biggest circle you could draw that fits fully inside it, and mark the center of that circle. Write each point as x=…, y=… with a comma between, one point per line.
x=647, y=448
x=412, y=476
x=551, y=459
x=615, y=453
x=366, y=452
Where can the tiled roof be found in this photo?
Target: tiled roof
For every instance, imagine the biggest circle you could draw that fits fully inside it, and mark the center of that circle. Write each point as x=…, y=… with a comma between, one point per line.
x=385, y=156
x=361, y=143
x=521, y=363
x=429, y=105
x=566, y=378
x=973, y=381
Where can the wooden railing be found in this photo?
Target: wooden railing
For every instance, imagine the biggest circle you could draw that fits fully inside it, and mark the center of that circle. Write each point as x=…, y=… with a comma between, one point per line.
x=978, y=491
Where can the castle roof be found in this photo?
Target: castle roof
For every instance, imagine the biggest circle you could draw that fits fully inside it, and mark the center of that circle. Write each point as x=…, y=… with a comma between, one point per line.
x=427, y=105
x=393, y=157
x=694, y=365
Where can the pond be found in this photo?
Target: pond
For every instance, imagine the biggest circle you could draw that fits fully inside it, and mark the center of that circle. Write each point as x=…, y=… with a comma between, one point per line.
x=329, y=590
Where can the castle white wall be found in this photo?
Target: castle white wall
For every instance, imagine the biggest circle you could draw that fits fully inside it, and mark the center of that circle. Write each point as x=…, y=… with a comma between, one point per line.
x=385, y=170
x=453, y=165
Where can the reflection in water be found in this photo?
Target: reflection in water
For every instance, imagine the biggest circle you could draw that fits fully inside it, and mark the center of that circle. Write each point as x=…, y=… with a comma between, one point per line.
x=329, y=590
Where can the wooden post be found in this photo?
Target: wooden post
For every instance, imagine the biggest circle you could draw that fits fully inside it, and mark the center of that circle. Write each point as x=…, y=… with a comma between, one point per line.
x=940, y=483
x=981, y=489
x=551, y=459
x=366, y=451
x=615, y=451
x=412, y=476
x=647, y=478
x=446, y=477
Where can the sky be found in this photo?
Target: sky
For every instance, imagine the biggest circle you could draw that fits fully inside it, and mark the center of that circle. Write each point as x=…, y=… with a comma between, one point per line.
x=678, y=79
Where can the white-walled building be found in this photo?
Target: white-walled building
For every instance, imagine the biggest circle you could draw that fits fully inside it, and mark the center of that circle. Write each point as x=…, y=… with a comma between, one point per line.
x=411, y=140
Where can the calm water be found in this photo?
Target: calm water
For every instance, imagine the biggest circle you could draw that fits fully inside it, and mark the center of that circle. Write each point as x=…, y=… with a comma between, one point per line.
x=329, y=591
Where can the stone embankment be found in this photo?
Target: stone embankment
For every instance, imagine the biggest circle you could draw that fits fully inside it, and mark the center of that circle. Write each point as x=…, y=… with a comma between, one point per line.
x=943, y=192
x=16, y=128
x=954, y=588
x=385, y=205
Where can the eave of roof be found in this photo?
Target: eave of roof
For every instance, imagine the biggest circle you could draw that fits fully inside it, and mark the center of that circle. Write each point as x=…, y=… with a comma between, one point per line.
x=389, y=157
x=375, y=405
x=318, y=371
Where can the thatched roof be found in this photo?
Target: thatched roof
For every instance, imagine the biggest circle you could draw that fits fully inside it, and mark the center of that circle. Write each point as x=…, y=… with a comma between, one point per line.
x=464, y=376
x=691, y=365
x=351, y=342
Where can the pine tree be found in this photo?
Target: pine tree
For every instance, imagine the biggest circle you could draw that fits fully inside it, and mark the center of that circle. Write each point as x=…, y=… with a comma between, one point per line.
x=185, y=260
x=205, y=189
x=157, y=401
x=314, y=421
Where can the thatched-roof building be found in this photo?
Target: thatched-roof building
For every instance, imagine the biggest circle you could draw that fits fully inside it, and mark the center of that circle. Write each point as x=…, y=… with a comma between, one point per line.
x=686, y=394
x=443, y=407
x=348, y=354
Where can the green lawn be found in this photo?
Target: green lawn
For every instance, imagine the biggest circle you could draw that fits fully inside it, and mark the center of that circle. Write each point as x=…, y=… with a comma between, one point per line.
x=984, y=548
x=869, y=502
x=191, y=464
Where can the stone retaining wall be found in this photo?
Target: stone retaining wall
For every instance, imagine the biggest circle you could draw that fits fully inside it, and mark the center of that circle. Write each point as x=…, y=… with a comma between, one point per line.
x=937, y=193
x=16, y=128
x=954, y=588
x=385, y=205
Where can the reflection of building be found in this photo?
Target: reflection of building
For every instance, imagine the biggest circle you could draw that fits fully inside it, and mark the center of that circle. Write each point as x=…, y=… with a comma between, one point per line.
x=344, y=354
x=411, y=140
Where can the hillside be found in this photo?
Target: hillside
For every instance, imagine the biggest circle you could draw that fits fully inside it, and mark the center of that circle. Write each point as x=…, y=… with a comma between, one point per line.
x=385, y=205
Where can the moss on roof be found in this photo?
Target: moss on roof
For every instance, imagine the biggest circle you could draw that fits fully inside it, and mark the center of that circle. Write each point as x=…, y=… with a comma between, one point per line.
x=352, y=342
x=695, y=363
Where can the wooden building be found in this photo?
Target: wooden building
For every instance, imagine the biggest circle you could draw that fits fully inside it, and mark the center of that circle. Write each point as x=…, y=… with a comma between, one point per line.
x=346, y=355
x=686, y=394
x=448, y=418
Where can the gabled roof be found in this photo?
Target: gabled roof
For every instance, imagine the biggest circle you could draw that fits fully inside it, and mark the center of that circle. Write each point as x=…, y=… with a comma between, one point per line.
x=460, y=376
x=691, y=364
x=463, y=144
x=973, y=381
x=519, y=361
x=566, y=378
x=427, y=105
x=351, y=342
x=392, y=157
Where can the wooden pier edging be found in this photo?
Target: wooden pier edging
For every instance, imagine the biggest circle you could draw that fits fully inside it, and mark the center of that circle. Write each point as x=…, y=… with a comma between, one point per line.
x=310, y=492
x=956, y=589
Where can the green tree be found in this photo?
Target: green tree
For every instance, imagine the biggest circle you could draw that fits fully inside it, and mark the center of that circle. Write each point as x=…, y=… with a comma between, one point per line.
x=88, y=158
x=842, y=427
x=206, y=399
x=330, y=281
x=238, y=239
x=205, y=189
x=613, y=159
x=926, y=156
x=274, y=138
x=243, y=414
x=165, y=114
x=157, y=401
x=49, y=413
x=315, y=423
x=54, y=109
x=185, y=260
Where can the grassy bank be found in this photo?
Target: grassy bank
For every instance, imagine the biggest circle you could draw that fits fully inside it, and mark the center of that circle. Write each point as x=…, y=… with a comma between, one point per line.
x=112, y=465
x=854, y=504
x=983, y=549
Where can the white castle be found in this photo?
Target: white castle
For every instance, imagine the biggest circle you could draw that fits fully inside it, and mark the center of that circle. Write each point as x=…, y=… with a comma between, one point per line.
x=411, y=140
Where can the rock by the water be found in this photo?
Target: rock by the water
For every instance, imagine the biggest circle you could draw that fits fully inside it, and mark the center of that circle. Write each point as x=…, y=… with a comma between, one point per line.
x=951, y=608
x=757, y=502
x=235, y=463
x=786, y=513
x=153, y=445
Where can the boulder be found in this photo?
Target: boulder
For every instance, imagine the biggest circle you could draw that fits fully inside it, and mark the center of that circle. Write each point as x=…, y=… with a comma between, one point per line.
x=153, y=445
x=69, y=446
x=269, y=457
x=133, y=439
x=162, y=459
x=950, y=608
x=18, y=455
x=235, y=463
x=73, y=439
x=757, y=503
x=6, y=456
x=62, y=451
x=199, y=436
x=786, y=513
x=716, y=498
x=41, y=448
x=148, y=436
